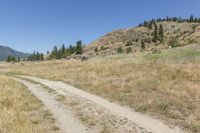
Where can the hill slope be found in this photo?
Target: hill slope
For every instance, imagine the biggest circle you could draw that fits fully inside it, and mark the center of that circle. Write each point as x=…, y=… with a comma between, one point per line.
x=175, y=33
x=6, y=51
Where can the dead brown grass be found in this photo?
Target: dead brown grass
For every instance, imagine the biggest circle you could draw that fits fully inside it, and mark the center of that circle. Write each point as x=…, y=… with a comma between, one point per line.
x=167, y=91
x=21, y=112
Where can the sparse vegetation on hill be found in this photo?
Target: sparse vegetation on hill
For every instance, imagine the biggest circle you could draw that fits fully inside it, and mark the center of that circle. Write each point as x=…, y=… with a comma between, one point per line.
x=156, y=33
x=149, y=24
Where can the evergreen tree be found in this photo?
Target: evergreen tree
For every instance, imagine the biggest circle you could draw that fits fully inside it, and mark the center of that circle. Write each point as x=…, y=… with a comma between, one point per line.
x=37, y=56
x=140, y=25
x=59, y=55
x=54, y=53
x=143, y=45
x=13, y=59
x=96, y=49
x=79, y=48
x=128, y=50
x=71, y=49
x=191, y=18
x=120, y=50
x=41, y=56
x=150, y=25
x=161, y=33
x=18, y=59
x=63, y=49
x=9, y=58
x=155, y=33
x=145, y=24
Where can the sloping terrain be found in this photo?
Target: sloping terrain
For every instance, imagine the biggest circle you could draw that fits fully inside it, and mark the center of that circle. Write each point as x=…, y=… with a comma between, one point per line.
x=177, y=34
x=6, y=51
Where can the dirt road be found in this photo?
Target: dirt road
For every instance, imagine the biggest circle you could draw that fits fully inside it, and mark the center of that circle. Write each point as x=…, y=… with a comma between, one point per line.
x=65, y=119
x=140, y=120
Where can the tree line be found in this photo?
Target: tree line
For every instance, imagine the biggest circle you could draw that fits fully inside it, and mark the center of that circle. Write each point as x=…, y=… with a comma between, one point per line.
x=63, y=52
x=36, y=56
x=150, y=23
x=56, y=53
x=13, y=59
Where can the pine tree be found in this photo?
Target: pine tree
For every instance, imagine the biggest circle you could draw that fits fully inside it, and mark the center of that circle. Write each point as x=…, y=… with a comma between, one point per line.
x=150, y=25
x=59, y=55
x=37, y=56
x=161, y=33
x=191, y=18
x=63, y=49
x=54, y=53
x=18, y=59
x=13, y=59
x=79, y=48
x=71, y=49
x=120, y=50
x=9, y=58
x=155, y=33
x=41, y=56
x=143, y=45
x=96, y=49
x=128, y=50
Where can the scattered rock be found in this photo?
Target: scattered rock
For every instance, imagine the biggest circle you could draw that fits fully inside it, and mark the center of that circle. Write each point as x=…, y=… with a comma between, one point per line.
x=82, y=57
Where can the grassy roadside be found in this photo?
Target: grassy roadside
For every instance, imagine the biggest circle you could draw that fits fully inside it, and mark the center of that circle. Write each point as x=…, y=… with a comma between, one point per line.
x=21, y=112
x=164, y=85
x=78, y=108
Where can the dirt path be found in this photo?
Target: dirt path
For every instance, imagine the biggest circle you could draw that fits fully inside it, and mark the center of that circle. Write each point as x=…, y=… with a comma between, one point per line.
x=65, y=119
x=141, y=120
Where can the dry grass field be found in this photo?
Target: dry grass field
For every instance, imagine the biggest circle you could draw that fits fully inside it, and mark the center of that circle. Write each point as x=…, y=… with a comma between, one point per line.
x=21, y=112
x=165, y=85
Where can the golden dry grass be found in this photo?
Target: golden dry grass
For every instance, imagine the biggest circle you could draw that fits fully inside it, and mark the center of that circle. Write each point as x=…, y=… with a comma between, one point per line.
x=21, y=112
x=166, y=85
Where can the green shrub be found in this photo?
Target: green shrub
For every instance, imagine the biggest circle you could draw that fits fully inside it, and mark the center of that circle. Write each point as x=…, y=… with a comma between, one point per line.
x=96, y=49
x=129, y=50
x=103, y=48
x=120, y=50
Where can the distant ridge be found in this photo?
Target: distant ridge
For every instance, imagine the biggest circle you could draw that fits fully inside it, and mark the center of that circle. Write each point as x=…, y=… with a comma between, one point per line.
x=6, y=51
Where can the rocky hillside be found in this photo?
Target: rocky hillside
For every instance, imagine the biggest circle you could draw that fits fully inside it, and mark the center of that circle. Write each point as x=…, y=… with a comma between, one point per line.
x=6, y=51
x=143, y=38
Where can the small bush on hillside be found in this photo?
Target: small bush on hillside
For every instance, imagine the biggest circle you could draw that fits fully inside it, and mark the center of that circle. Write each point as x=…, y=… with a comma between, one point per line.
x=120, y=50
x=174, y=43
x=96, y=49
x=129, y=43
x=103, y=48
x=129, y=50
x=143, y=45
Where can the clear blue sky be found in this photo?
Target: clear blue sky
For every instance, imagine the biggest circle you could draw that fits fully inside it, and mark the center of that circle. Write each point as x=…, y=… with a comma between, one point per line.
x=29, y=25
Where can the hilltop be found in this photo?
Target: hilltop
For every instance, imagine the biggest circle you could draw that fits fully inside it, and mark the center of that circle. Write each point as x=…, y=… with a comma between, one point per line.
x=175, y=33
